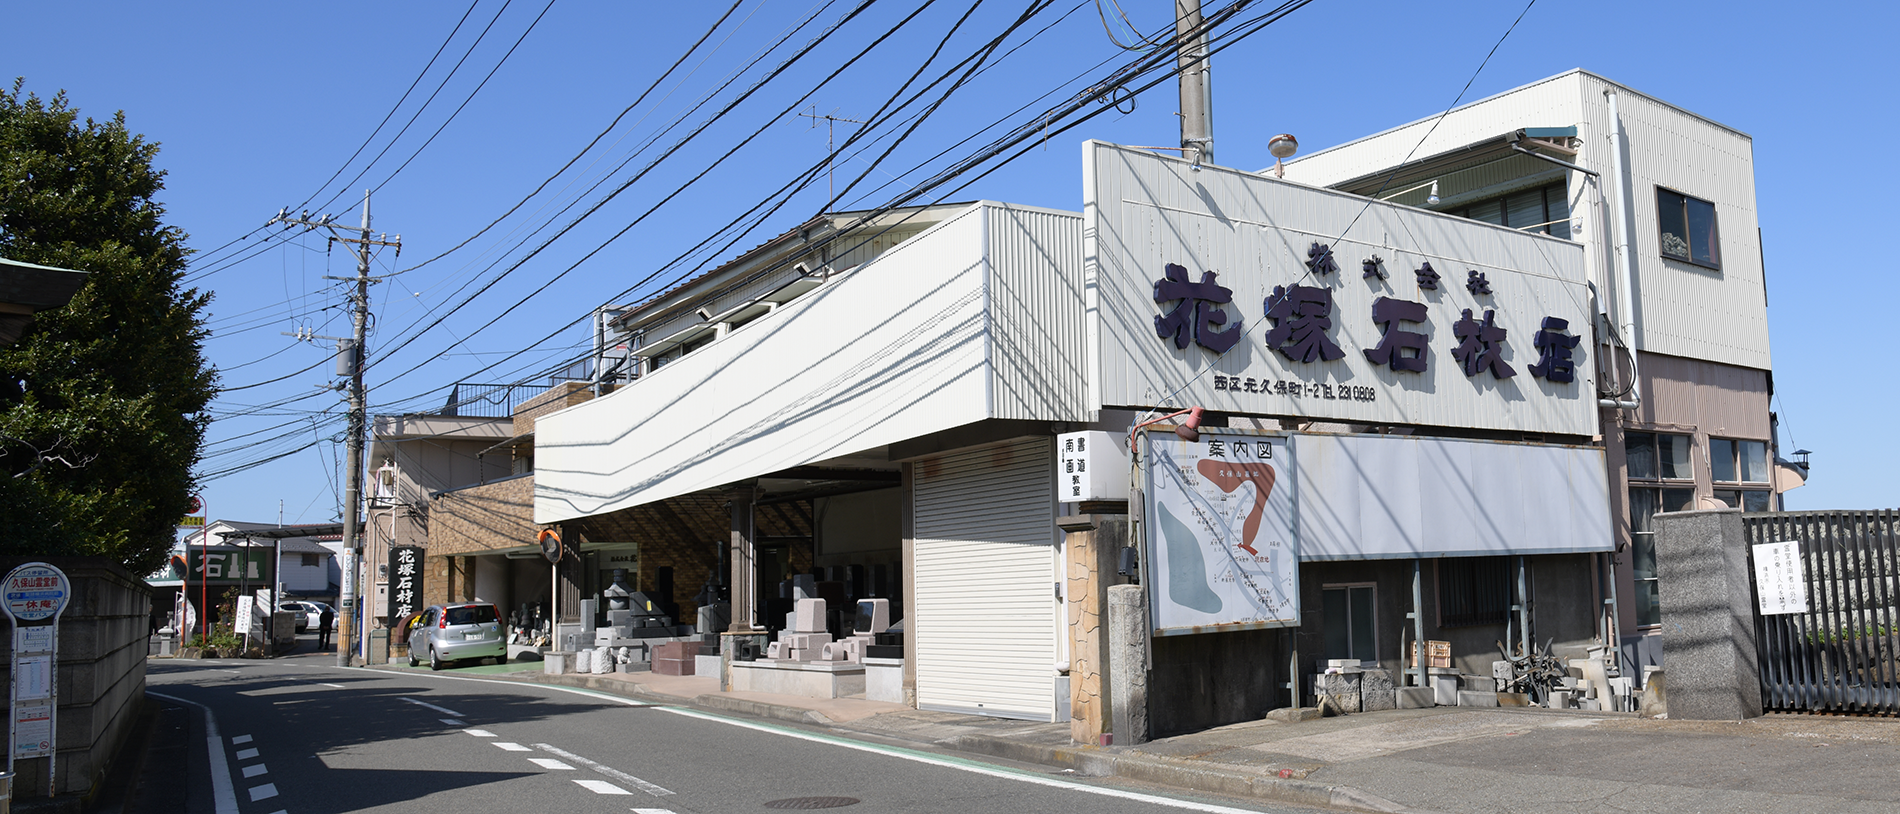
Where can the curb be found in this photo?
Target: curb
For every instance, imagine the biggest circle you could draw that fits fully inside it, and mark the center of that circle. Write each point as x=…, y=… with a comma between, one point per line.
x=1093, y=761
x=1181, y=774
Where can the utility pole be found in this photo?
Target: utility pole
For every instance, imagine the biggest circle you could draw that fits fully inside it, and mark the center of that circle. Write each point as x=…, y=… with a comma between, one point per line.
x=1197, y=82
x=356, y=353
x=831, y=140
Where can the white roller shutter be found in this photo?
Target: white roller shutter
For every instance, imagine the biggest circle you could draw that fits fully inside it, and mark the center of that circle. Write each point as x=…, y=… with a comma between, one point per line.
x=984, y=608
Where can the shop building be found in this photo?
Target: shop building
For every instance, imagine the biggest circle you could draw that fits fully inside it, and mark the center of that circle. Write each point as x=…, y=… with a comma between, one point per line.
x=1420, y=419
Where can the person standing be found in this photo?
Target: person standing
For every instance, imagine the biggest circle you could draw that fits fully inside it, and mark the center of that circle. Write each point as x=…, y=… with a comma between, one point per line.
x=324, y=621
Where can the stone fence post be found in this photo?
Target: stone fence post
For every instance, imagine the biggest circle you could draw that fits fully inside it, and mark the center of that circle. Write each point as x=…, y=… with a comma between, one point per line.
x=1708, y=616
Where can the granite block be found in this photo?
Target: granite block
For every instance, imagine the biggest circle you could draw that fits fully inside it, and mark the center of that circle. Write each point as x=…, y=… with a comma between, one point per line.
x=1340, y=689
x=673, y=667
x=1376, y=691
x=1473, y=698
x=1415, y=698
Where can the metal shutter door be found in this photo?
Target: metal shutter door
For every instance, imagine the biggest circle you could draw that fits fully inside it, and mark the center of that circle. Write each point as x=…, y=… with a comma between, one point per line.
x=983, y=612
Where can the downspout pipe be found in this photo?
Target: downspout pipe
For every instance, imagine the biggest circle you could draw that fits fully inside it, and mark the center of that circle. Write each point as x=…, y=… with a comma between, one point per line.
x=1624, y=224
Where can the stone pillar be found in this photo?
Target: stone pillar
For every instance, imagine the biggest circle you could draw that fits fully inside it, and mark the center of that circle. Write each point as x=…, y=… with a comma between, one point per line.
x=1092, y=542
x=744, y=560
x=1128, y=642
x=1708, y=616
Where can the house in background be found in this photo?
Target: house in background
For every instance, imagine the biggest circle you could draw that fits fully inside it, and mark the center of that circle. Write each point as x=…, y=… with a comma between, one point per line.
x=27, y=289
x=240, y=556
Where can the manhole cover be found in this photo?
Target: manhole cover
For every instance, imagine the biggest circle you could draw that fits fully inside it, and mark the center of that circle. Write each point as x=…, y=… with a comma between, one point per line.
x=808, y=803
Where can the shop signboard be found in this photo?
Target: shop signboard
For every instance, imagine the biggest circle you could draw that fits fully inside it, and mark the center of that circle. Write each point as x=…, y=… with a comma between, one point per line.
x=1091, y=465
x=1222, y=549
x=1245, y=294
x=222, y=565
x=405, y=583
x=35, y=595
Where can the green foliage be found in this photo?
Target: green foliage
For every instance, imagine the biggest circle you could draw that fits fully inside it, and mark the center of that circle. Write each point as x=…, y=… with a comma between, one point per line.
x=102, y=401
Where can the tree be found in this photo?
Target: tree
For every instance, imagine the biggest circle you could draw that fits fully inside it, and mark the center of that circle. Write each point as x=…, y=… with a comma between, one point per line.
x=102, y=402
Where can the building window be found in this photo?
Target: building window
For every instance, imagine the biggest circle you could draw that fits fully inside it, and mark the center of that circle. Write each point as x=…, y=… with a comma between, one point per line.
x=1688, y=228
x=1661, y=479
x=1545, y=210
x=311, y=561
x=1474, y=591
x=1735, y=466
x=1347, y=611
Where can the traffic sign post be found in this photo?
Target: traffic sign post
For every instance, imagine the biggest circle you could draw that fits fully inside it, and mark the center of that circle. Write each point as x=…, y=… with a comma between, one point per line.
x=35, y=595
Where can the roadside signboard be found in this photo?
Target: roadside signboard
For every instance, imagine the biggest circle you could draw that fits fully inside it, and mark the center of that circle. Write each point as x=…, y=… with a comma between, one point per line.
x=1222, y=550
x=35, y=595
x=405, y=583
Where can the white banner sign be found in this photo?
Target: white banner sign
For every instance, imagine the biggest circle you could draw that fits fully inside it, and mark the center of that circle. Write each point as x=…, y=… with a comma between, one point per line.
x=1246, y=294
x=1221, y=549
x=1778, y=578
x=1091, y=465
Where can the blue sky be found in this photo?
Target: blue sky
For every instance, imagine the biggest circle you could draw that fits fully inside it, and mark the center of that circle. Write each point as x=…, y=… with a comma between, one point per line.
x=262, y=106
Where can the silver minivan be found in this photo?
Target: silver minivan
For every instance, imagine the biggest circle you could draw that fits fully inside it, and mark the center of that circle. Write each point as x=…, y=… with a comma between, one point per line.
x=446, y=633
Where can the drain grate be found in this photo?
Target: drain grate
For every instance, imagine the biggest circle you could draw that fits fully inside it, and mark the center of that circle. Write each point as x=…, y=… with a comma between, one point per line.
x=809, y=803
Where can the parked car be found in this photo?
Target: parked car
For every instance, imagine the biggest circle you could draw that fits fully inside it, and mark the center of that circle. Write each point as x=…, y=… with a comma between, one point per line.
x=307, y=613
x=451, y=633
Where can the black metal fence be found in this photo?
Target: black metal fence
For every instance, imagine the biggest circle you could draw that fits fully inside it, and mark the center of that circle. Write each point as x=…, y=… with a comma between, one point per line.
x=488, y=400
x=1838, y=655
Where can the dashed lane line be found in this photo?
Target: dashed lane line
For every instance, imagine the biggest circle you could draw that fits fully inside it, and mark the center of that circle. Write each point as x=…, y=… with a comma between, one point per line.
x=480, y=733
x=427, y=705
x=550, y=763
x=255, y=769
x=240, y=739
x=602, y=787
x=511, y=747
x=452, y=722
x=264, y=792
x=606, y=770
x=246, y=754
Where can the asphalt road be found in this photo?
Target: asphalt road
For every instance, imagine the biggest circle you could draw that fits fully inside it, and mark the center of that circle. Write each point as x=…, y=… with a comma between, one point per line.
x=301, y=736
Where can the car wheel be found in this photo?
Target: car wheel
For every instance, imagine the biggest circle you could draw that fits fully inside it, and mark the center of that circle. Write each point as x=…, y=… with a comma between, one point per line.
x=435, y=660
x=412, y=658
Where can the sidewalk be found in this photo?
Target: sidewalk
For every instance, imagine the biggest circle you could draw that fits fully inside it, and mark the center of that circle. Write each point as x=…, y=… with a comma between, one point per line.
x=1450, y=760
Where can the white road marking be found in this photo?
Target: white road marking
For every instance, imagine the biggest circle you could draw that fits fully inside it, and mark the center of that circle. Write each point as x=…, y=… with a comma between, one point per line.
x=550, y=763
x=240, y=739
x=328, y=684
x=603, y=787
x=246, y=754
x=904, y=754
x=443, y=710
x=606, y=770
x=255, y=769
x=480, y=733
x=973, y=768
x=264, y=792
x=635, y=811
x=510, y=747
x=223, y=795
x=452, y=722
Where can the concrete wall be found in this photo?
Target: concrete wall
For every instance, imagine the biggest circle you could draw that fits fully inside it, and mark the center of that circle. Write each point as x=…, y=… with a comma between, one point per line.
x=101, y=674
x=1211, y=679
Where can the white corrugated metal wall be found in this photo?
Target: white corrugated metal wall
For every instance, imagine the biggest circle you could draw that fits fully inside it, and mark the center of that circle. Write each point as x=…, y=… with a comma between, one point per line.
x=983, y=609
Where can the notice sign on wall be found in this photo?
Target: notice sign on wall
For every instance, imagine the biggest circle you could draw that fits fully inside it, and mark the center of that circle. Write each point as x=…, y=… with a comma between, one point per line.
x=1779, y=580
x=1221, y=548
